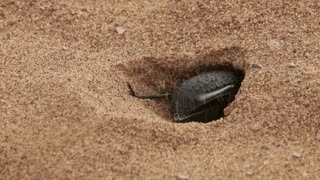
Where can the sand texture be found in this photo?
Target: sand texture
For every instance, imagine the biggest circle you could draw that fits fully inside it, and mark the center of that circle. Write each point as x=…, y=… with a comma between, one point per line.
x=66, y=112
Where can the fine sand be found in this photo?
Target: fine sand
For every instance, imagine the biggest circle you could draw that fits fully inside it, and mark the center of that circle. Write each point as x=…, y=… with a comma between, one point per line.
x=66, y=112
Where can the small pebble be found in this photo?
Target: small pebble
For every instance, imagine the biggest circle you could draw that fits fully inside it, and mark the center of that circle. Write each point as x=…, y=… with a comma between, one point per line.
x=274, y=44
x=182, y=177
x=120, y=30
x=292, y=65
x=249, y=173
x=2, y=14
x=307, y=55
x=11, y=23
x=255, y=127
x=256, y=66
x=266, y=147
x=304, y=174
x=296, y=155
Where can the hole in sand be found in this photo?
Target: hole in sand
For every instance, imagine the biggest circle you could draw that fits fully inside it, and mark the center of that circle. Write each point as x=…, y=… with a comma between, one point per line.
x=159, y=75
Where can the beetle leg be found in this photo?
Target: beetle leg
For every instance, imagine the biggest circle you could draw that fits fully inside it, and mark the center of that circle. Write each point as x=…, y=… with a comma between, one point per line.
x=230, y=98
x=208, y=97
x=152, y=96
x=178, y=118
x=221, y=100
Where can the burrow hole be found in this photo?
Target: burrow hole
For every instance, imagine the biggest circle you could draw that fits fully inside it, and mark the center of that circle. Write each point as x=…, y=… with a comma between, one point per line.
x=158, y=75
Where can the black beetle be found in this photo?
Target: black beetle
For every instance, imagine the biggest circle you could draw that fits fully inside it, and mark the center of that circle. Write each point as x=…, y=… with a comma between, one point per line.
x=202, y=97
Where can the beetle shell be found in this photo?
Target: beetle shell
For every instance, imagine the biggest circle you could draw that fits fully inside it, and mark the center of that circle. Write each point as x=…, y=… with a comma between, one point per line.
x=184, y=98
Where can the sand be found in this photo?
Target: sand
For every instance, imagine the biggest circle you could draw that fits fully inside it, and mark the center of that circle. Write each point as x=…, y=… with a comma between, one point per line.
x=66, y=112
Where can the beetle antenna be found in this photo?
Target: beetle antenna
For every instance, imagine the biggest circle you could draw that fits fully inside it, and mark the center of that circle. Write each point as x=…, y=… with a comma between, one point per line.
x=152, y=96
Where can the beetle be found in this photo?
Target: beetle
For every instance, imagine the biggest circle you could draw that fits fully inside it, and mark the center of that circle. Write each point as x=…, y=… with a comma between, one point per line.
x=202, y=97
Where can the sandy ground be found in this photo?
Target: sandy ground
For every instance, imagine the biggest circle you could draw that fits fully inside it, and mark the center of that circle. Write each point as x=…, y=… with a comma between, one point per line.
x=66, y=111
